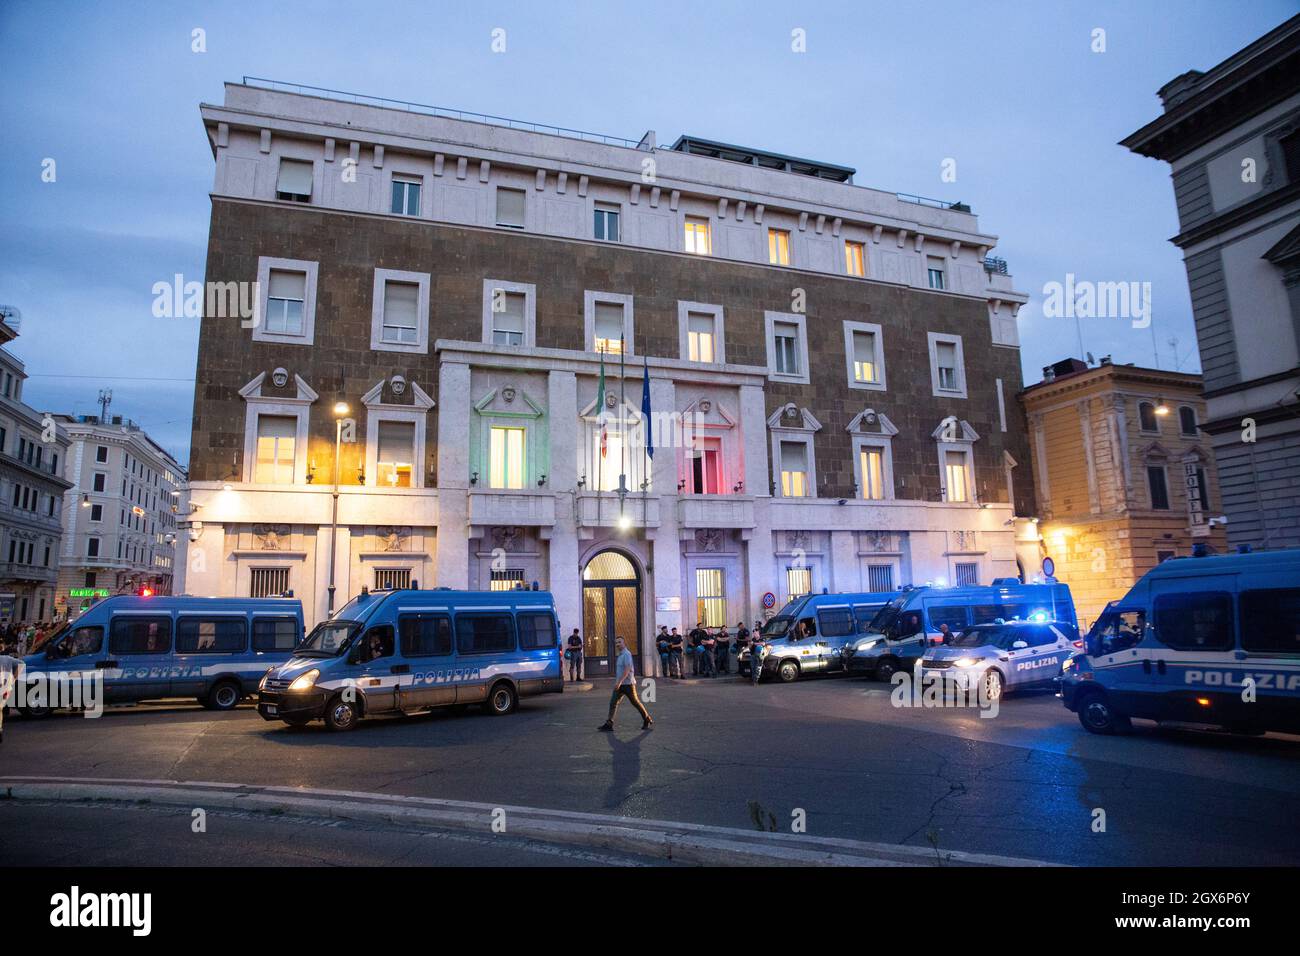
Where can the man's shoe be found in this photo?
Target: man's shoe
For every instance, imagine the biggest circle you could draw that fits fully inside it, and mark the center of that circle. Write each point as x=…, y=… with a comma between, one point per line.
x=606, y=726
x=648, y=725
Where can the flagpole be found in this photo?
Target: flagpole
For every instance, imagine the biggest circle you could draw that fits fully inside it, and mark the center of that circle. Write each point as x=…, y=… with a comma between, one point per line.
x=622, y=398
x=600, y=441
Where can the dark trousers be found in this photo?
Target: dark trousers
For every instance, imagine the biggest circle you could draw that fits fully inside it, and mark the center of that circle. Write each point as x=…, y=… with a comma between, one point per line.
x=575, y=667
x=628, y=691
x=706, y=662
x=724, y=659
x=675, y=663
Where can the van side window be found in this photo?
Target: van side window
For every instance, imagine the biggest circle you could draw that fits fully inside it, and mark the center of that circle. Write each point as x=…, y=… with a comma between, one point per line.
x=274, y=633
x=835, y=623
x=377, y=643
x=954, y=617
x=425, y=635
x=1195, y=622
x=864, y=616
x=83, y=640
x=1117, y=631
x=140, y=635
x=1270, y=620
x=536, y=631
x=210, y=635
x=988, y=613
x=484, y=633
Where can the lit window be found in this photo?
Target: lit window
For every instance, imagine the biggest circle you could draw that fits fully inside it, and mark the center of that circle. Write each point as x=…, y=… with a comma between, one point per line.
x=507, y=457
x=401, y=307
x=697, y=235
x=706, y=466
x=276, y=435
x=284, y=302
x=794, y=469
x=606, y=224
x=510, y=207
x=946, y=361
x=786, y=347
x=395, y=454
x=606, y=468
x=507, y=317
x=855, y=259
x=778, y=247
x=872, y=462
x=710, y=597
x=864, y=357
x=294, y=181
x=934, y=271
x=609, y=327
x=967, y=574
x=406, y=196
x=700, y=332
x=507, y=579
x=955, y=473
x=798, y=582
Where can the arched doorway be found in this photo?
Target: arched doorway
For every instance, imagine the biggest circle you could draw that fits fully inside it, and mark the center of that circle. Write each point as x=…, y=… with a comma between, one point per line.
x=611, y=607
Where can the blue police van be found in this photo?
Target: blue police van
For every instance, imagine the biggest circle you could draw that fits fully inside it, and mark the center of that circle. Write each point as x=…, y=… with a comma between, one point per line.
x=1203, y=640
x=212, y=649
x=923, y=617
x=401, y=652
x=806, y=636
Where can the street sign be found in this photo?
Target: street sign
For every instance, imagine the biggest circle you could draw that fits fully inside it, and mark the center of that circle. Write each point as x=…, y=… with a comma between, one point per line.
x=769, y=600
x=88, y=592
x=668, y=604
x=1049, y=567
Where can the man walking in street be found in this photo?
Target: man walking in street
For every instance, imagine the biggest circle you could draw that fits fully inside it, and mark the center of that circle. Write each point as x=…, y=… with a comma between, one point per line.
x=574, y=653
x=625, y=686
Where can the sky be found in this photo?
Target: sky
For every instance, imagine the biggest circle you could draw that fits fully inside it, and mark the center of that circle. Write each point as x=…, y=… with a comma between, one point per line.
x=1013, y=92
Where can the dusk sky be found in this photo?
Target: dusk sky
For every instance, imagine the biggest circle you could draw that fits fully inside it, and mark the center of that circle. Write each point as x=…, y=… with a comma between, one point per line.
x=1012, y=91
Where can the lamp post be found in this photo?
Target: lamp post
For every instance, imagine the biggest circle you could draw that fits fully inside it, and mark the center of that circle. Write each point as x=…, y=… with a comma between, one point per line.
x=340, y=410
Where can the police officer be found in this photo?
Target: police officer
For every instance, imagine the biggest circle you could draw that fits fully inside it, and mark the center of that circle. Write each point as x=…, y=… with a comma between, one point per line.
x=697, y=636
x=722, y=650
x=675, y=642
x=574, y=653
x=664, y=646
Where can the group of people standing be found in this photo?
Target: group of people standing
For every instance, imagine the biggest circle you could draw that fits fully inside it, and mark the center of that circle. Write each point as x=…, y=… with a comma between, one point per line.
x=710, y=649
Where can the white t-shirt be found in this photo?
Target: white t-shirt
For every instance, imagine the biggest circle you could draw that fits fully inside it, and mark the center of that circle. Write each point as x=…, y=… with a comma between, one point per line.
x=624, y=663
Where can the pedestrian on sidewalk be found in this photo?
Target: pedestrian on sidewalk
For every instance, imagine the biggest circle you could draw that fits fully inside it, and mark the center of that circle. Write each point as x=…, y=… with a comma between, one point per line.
x=675, y=654
x=10, y=671
x=707, y=644
x=722, y=650
x=665, y=651
x=625, y=686
x=697, y=636
x=574, y=653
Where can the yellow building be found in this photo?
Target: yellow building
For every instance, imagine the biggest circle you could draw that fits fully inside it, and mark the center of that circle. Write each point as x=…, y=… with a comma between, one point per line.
x=1124, y=475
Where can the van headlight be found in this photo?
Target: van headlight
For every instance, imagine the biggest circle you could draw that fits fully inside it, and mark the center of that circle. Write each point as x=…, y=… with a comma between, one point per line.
x=305, y=681
x=966, y=662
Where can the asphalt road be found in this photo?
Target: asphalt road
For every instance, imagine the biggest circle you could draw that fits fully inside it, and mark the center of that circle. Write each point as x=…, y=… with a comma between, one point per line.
x=1026, y=783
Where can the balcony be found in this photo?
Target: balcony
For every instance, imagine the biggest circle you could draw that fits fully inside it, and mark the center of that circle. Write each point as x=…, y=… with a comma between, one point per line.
x=11, y=572
x=716, y=511
x=524, y=508
x=601, y=511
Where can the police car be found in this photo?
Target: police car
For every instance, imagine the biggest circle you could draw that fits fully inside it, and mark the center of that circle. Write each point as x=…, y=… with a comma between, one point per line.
x=997, y=657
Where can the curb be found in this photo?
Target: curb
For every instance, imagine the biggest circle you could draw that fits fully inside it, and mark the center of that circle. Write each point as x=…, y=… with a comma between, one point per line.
x=680, y=842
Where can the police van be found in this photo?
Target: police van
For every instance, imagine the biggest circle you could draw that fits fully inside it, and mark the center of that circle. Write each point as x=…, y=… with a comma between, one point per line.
x=807, y=635
x=1205, y=640
x=147, y=647
x=922, y=617
x=1003, y=656
x=400, y=652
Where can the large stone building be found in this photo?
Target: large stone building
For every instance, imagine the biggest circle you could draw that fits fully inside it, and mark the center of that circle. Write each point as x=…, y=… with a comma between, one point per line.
x=32, y=452
x=832, y=371
x=1122, y=474
x=120, y=519
x=1232, y=137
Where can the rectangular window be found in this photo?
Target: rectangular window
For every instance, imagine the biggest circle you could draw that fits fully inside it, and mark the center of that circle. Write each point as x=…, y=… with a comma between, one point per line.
x=609, y=327
x=284, y=302
x=140, y=635
x=864, y=357
x=510, y=207
x=968, y=574
x=484, y=633
x=855, y=259
x=786, y=340
x=1195, y=621
x=946, y=361
x=697, y=235
x=606, y=224
x=507, y=457
x=101, y=454
x=99, y=481
x=406, y=196
x=425, y=635
x=508, y=317
x=706, y=466
x=536, y=631
x=92, y=548
x=778, y=247
x=274, y=633
x=217, y=635
x=872, y=463
x=700, y=331
x=880, y=577
x=96, y=512
x=1270, y=621
x=507, y=579
x=395, y=454
x=955, y=475
x=392, y=579
x=934, y=271
x=294, y=181
x=954, y=617
x=794, y=469
x=710, y=597
x=1159, y=487
x=798, y=582
x=268, y=582
x=276, y=435
x=401, y=308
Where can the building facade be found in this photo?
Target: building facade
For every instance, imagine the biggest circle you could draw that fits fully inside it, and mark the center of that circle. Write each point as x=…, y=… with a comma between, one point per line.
x=32, y=490
x=121, y=516
x=830, y=372
x=1232, y=138
x=1122, y=472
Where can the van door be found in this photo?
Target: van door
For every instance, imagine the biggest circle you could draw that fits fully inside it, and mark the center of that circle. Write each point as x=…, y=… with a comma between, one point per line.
x=378, y=668
x=81, y=651
x=426, y=646
x=1122, y=668
x=1196, y=635
x=835, y=626
x=141, y=643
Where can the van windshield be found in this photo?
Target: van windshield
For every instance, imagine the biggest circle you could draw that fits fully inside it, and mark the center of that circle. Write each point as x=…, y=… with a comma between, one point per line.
x=328, y=639
x=49, y=639
x=887, y=616
x=776, y=627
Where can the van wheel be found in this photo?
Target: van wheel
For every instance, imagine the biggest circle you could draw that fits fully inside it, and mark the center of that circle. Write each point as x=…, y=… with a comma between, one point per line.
x=341, y=715
x=788, y=672
x=501, y=700
x=36, y=713
x=1098, y=717
x=886, y=669
x=224, y=695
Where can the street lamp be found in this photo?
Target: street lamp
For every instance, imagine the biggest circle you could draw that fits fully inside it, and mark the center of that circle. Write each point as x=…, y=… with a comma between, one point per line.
x=340, y=410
